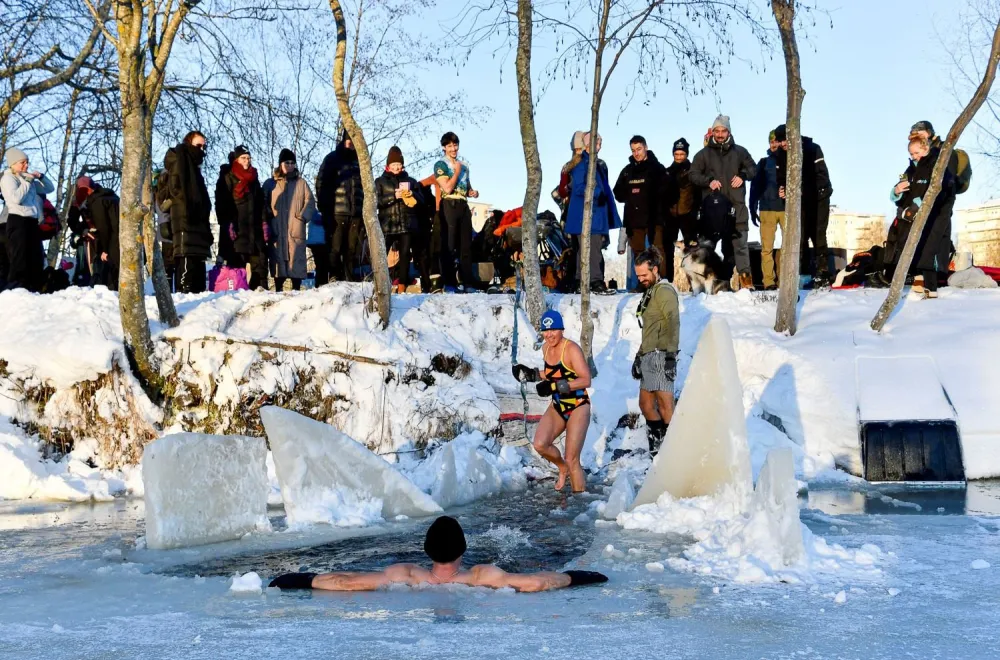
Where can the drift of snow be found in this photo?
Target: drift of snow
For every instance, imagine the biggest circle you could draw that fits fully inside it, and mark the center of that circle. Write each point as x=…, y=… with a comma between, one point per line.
x=705, y=450
x=463, y=471
x=203, y=489
x=327, y=477
x=878, y=375
x=250, y=583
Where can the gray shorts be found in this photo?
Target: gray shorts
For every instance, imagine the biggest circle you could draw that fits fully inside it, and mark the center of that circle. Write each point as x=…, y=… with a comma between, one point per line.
x=659, y=369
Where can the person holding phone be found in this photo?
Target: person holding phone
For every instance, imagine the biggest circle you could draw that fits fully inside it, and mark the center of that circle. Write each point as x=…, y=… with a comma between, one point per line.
x=23, y=193
x=398, y=197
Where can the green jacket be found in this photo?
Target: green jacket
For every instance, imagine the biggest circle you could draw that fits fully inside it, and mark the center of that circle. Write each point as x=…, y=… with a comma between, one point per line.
x=660, y=317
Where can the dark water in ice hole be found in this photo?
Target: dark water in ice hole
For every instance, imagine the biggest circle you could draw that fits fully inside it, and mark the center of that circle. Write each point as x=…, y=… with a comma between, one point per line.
x=536, y=529
x=529, y=530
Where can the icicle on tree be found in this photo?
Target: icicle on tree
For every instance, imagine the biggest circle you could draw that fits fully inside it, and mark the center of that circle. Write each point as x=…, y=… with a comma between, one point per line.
x=937, y=178
x=788, y=291
x=696, y=38
x=376, y=241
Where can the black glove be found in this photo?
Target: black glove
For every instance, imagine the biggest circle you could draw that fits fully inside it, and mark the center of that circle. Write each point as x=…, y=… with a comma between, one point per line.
x=545, y=388
x=637, y=367
x=562, y=386
x=524, y=374
x=293, y=581
x=580, y=578
x=755, y=219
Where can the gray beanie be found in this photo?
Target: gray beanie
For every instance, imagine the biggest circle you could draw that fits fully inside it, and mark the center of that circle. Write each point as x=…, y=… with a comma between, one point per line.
x=14, y=155
x=723, y=121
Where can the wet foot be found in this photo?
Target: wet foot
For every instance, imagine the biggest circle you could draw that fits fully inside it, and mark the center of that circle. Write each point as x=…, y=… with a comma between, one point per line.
x=561, y=481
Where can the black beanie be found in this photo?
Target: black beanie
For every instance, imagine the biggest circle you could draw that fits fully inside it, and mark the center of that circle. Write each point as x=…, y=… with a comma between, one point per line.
x=285, y=156
x=922, y=125
x=395, y=156
x=682, y=145
x=781, y=133
x=445, y=541
x=241, y=150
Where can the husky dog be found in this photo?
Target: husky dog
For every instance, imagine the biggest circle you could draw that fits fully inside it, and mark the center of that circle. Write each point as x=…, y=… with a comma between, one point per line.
x=704, y=267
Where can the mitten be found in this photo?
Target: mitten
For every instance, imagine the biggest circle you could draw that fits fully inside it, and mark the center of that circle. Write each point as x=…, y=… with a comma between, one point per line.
x=524, y=374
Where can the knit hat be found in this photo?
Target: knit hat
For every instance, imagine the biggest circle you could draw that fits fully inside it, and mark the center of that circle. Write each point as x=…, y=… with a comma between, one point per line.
x=552, y=320
x=919, y=126
x=286, y=155
x=721, y=121
x=241, y=150
x=14, y=155
x=781, y=133
x=445, y=540
x=395, y=156
x=682, y=145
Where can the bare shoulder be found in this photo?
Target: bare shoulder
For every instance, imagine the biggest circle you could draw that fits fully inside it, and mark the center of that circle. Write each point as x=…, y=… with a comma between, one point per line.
x=575, y=358
x=488, y=575
x=403, y=572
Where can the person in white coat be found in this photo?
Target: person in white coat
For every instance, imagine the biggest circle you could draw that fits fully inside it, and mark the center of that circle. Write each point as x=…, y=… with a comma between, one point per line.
x=23, y=194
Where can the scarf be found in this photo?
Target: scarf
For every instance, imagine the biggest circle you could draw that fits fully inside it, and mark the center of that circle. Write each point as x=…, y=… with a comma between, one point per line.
x=244, y=176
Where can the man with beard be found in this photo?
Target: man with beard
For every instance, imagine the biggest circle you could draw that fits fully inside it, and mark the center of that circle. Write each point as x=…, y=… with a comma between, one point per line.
x=645, y=191
x=684, y=211
x=816, y=192
x=340, y=199
x=725, y=166
x=767, y=194
x=189, y=208
x=655, y=365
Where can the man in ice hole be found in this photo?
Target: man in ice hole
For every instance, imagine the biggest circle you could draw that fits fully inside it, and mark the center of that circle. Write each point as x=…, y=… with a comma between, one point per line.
x=445, y=545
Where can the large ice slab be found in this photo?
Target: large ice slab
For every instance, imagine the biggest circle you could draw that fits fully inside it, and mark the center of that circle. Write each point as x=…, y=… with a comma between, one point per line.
x=319, y=467
x=775, y=499
x=203, y=489
x=705, y=450
x=464, y=475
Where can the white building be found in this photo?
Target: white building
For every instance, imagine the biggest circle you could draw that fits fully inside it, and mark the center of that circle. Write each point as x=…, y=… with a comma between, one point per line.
x=849, y=233
x=977, y=230
x=480, y=212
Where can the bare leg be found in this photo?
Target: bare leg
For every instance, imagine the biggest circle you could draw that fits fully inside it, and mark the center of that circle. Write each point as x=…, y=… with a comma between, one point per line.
x=548, y=430
x=647, y=404
x=664, y=404
x=576, y=433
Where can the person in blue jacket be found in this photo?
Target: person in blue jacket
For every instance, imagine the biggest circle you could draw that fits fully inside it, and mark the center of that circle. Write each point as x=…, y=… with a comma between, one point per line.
x=605, y=215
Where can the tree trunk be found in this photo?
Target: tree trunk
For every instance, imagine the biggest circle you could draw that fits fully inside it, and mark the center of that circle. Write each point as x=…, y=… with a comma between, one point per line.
x=788, y=289
x=63, y=188
x=135, y=163
x=151, y=239
x=376, y=241
x=937, y=178
x=532, y=162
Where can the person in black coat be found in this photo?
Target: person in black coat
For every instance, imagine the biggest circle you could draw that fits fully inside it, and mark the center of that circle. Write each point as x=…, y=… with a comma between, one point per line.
x=189, y=209
x=684, y=211
x=340, y=200
x=934, y=249
x=100, y=208
x=239, y=207
x=399, y=196
x=647, y=193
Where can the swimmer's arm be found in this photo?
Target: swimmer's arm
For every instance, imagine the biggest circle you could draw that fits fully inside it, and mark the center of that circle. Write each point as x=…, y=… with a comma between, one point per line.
x=347, y=581
x=491, y=576
x=578, y=363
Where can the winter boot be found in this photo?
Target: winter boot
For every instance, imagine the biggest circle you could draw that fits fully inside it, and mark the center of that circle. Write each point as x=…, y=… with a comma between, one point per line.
x=822, y=279
x=918, y=285
x=655, y=430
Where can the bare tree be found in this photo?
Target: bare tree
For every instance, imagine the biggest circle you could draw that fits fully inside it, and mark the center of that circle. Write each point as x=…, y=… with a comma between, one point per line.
x=788, y=292
x=693, y=36
x=30, y=69
x=937, y=179
x=376, y=241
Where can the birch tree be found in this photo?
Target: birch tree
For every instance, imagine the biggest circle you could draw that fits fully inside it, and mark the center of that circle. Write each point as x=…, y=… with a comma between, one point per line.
x=788, y=290
x=376, y=241
x=937, y=179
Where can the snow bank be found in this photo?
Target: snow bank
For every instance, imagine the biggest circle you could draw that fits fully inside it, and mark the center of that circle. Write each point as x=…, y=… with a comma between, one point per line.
x=436, y=371
x=463, y=470
x=327, y=477
x=204, y=489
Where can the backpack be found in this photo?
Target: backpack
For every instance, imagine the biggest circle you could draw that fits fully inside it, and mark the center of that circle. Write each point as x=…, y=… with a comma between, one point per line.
x=230, y=279
x=718, y=218
x=963, y=171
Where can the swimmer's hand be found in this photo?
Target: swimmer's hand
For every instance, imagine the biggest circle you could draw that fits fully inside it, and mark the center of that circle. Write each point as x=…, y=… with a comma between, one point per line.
x=524, y=374
x=580, y=578
x=293, y=581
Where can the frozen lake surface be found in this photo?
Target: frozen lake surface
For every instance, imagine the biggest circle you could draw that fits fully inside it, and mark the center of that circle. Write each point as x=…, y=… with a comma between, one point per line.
x=72, y=585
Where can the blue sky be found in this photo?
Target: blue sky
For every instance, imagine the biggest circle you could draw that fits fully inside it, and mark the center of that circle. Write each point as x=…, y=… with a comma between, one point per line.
x=883, y=65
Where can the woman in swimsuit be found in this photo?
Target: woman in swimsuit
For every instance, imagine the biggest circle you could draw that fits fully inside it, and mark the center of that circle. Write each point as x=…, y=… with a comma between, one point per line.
x=565, y=378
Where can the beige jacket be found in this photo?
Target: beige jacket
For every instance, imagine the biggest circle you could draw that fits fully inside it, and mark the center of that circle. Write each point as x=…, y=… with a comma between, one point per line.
x=293, y=207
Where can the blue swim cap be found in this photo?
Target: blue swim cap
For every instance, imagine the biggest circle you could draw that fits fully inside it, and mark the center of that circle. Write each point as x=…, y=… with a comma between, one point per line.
x=552, y=320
